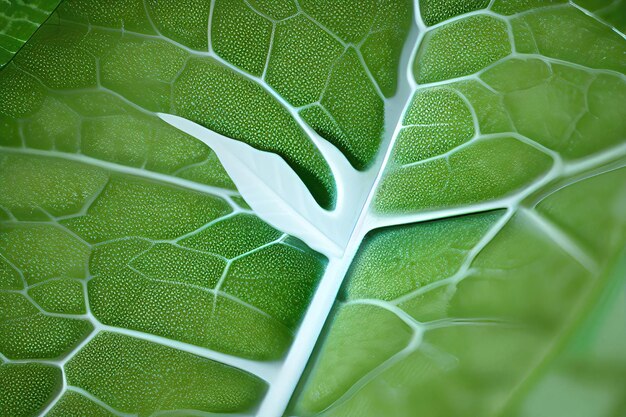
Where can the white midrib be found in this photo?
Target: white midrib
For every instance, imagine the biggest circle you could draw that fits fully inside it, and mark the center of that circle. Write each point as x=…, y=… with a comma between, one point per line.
x=283, y=383
x=287, y=379
x=283, y=387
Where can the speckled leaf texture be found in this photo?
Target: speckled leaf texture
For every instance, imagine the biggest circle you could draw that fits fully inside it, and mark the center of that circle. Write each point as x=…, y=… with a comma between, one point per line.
x=485, y=274
x=19, y=19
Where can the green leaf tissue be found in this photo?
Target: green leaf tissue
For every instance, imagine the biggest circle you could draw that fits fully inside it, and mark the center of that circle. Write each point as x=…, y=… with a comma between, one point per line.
x=312, y=208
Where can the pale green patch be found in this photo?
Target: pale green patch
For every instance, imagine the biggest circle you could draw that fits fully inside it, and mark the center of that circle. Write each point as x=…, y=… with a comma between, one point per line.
x=487, y=169
x=106, y=367
x=348, y=339
x=461, y=48
x=63, y=296
x=484, y=324
x=27, y=388
x=72, y=403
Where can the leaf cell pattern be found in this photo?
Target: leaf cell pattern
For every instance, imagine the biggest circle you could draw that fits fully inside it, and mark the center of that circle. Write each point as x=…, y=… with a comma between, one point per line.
x=135, y=280
x=140, y=265
x=487, y=242
x=155, y=255
x=19, y=20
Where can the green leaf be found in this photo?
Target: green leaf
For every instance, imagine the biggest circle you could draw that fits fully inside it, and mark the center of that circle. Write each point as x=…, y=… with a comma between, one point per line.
x=106, y=368
x=27, y=387
x=280, y=207
x=490, y=298
x=19, y=20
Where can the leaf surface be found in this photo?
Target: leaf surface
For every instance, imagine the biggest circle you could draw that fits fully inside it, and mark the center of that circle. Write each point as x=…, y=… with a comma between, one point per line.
x=506, y=145
x=19, y=20
x=358, y=208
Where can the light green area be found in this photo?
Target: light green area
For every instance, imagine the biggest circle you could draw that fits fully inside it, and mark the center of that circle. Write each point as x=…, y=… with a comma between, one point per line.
x=589, y=117
x=414, y=255
x=461, y=48
x=586, y=376
x=436, y=11
x=27, y=388
x=603, y=48
x=437, y=121
x=332, y=375
x=19, y=19
x=604, y=212
x=489, y=329
x=279, y=280
x=520, y=95
x=168, y=380
x=588, y=104
x=487, y=169
x=518, y=275
x=233, y=236
x=613, y=12
x=63, y=296
x=136, y=207
x=43, y=251
x=73, y=404
x=27, y=333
